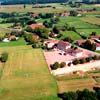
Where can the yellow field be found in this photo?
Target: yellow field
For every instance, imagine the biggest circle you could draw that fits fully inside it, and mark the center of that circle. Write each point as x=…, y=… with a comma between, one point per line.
x=73, y=83
x=26, y=76
x=92, y=20
x=19, y=8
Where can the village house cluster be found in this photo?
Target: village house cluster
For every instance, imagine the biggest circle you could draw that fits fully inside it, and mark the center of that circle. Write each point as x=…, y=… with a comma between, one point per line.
x=61, y=51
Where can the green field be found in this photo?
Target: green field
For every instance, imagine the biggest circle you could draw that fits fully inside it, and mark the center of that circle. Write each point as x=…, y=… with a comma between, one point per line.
x=26, y=76
x=81, y=26
x=19, y=42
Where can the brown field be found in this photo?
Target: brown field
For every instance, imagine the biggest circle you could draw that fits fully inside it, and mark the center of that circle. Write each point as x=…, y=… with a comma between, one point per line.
x=73, y=83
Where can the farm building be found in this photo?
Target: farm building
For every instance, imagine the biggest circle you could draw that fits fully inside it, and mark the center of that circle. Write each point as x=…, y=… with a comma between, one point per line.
x=50, y=43
x=63, y=45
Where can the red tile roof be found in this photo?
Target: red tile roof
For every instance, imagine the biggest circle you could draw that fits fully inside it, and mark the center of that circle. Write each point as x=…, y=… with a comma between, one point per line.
x=37, y=25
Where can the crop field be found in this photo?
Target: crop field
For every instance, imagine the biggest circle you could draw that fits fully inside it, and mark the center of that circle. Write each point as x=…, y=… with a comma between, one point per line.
x=81, y=26
x=92, y=20
x=71, y=34
x=19, y=8
x=25, y=76
x=73, y=83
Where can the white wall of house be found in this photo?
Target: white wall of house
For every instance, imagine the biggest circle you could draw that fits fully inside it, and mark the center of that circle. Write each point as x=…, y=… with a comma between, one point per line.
x=50, y=45
x=97, y=48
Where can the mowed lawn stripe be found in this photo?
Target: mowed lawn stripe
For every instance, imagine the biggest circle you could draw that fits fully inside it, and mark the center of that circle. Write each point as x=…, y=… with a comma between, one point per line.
x=32, y=82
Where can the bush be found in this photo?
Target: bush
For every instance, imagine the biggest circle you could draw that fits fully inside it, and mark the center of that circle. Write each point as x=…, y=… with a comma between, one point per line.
x=55, y=66
x=82, y=61
x=75, y=62
x=56, y=30
x=62, y=64
x=80, y=95
x=88, y=59
x=4, y=57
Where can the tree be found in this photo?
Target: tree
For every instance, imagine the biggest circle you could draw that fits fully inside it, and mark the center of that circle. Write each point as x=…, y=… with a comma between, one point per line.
x=93, y=34
x=24, y=6
x=47, y=24
x=73, y=13
x=88, y=59
x=80, y=95
x=68, y=39
x=30, y=38
x=56, y=30
x=96, y=57
x=55, y=66
x=4, y=57
x=62, y=64
x=88, y=44
x=75, y=62
x=42, y=32
x=82, y=61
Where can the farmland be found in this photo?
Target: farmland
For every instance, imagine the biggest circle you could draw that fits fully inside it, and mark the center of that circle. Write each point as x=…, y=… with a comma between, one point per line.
x=19, y=8
x=81, y=25
x=73, y=83
x=26, y=76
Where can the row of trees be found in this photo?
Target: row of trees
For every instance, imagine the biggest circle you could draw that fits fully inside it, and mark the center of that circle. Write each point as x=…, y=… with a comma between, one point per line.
x=57, y=65
x=84, y=60
x=51, y=22
x=81, y=95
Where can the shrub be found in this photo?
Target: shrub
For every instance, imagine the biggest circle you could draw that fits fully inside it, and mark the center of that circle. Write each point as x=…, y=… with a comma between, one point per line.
x=82, y=61
x=55, y=66
x=4, y=57
x=62, y=64
x=75, y=62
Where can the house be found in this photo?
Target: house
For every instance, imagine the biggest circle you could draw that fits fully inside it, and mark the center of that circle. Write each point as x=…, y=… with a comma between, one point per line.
x=65, y=14
x=36, y=25
x=97, y=46
x=51, y=34
x=79, y=42
x=63, y=45
x=34, y=15
x=50, y=43
x=6, y=40
x=12, y=38
x=95, y=38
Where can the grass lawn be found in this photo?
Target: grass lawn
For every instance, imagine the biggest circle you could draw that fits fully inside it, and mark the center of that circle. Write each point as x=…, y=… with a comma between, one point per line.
x=73, y=83
x=26, y=76
x=19, y=42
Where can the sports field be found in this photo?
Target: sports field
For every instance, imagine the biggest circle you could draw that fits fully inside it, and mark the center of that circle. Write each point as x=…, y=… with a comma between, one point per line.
x=26, y=76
